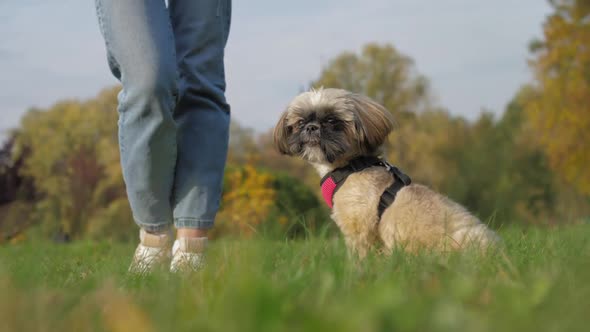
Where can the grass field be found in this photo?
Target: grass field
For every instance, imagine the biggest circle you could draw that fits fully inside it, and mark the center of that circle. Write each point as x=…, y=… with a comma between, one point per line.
x=542, y=284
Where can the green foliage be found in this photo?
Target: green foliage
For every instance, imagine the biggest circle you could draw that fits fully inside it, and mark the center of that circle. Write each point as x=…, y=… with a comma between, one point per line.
x=501, y=171
x=540, y=284
x=297, y=209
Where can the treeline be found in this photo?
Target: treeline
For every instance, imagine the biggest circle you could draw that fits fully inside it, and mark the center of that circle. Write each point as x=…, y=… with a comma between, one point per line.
x=60, y=175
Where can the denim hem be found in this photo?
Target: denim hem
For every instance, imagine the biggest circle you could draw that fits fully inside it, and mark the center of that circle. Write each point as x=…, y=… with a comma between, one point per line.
x=154, y=228
x=193, y=223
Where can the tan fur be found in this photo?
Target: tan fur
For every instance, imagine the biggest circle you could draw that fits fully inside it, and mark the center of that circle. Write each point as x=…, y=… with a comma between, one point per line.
x=375, y=121
x=419, y=218
x=280, y=135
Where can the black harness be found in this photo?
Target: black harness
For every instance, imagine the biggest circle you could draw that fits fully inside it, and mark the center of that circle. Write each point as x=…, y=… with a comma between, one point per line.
x=335, y=179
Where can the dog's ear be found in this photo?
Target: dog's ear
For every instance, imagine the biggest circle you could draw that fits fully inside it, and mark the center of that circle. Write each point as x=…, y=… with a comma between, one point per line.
x=374, y=122
x=280, y=135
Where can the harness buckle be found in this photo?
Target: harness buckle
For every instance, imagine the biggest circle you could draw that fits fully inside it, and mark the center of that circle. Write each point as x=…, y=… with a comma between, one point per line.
x=387, y=165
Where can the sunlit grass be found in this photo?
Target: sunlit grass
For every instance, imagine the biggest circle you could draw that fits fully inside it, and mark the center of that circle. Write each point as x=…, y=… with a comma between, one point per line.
x=542, y=283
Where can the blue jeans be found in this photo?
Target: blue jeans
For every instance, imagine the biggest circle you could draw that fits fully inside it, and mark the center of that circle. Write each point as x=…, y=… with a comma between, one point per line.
x=173, y=116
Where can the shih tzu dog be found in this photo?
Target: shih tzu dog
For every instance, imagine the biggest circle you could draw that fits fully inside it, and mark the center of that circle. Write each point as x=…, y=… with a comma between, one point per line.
x=373, y=203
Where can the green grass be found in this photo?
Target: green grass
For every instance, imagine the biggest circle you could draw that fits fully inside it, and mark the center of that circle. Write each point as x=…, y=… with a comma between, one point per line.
x=541, y=284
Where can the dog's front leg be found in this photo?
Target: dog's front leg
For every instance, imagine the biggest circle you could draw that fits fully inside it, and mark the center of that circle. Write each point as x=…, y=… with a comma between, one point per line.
x=359, y=242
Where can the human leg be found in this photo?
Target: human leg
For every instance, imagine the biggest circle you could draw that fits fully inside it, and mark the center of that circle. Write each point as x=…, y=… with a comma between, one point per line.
x=141, y=54
x=201, y=30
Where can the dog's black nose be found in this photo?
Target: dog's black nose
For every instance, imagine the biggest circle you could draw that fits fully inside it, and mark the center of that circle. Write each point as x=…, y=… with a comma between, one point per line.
x=311, y=127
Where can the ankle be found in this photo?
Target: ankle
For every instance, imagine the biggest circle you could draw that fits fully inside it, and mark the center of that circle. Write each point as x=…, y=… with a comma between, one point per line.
x=192, y=244
x=191, y=233
x=157, y=240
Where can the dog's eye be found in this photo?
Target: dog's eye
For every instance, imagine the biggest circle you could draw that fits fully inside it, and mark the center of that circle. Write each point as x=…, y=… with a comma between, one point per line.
x=330, y=121
x=300, y=123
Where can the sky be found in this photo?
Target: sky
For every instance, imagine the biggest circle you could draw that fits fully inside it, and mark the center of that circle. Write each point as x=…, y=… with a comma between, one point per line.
x=474, y=52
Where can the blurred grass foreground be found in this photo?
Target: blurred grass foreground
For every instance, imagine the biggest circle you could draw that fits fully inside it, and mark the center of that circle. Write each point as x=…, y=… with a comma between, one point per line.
x=541, y=284
x=60, y=174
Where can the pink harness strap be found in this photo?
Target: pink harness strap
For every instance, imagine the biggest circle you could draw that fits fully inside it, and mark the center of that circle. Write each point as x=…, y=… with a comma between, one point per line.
x=328, y=187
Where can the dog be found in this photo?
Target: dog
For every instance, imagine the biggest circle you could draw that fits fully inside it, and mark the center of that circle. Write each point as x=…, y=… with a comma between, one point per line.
x=375, y=205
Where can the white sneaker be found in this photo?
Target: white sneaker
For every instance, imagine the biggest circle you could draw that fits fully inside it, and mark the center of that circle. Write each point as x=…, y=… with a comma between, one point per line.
x=188, y=255
x=152, y=252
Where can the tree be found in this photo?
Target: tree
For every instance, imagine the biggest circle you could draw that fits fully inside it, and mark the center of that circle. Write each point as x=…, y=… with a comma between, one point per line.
x=559, y=111
x=74, y=161
x=500, y=172
x=382, y=73
x=12, y=183
x=17, y=193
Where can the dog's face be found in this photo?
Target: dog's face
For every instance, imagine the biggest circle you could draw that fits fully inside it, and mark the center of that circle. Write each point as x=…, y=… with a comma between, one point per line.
x=330, y=126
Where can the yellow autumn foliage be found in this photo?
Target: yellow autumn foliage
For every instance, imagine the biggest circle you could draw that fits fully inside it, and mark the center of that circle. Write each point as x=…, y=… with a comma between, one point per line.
x=73, y=157
x=247, y=200
x=560, y=110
